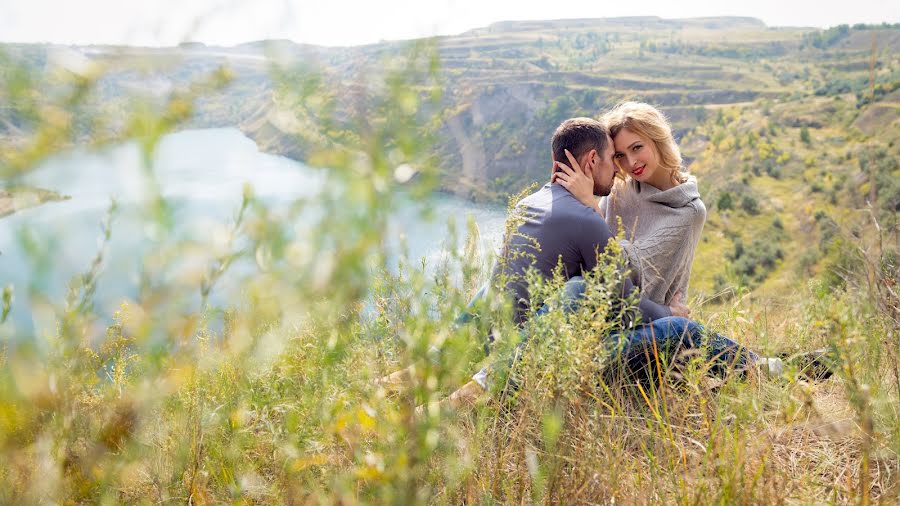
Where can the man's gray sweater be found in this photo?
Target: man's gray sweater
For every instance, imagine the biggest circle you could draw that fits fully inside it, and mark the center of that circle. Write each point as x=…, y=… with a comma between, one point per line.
x=556, y=228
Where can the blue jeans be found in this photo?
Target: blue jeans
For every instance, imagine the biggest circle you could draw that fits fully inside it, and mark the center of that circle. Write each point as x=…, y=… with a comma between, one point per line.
x=638, y=348
x=673, y=335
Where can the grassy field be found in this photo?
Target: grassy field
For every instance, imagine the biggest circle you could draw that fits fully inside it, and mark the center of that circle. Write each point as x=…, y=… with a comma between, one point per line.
x=270, y=397
x=167, y=410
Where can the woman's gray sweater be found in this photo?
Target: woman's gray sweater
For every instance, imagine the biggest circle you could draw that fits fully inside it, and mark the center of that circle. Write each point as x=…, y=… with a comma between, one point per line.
x=661, y=229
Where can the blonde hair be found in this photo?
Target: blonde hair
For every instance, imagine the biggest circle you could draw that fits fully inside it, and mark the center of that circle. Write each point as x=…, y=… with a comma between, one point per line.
x=648, y=122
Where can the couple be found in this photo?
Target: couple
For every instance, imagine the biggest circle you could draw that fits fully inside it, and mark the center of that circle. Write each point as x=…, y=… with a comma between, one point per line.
x=630, y=160
x=662, y=215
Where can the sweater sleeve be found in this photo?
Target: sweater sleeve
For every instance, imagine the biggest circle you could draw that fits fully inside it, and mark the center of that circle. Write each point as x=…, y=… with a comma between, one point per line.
x=651, y=310
x=683, y=277
x=671, y=246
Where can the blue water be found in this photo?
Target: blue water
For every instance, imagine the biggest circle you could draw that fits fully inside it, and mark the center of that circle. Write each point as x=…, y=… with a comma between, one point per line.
x=201, y=174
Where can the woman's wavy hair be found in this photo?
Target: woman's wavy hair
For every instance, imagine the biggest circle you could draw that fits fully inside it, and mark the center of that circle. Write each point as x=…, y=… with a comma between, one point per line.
x=648, y=122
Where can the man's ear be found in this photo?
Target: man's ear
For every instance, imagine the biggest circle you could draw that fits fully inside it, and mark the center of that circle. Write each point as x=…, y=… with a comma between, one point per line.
x=590, y=159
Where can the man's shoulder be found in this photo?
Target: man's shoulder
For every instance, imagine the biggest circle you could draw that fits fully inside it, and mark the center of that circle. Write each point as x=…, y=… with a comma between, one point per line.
x=568, y=205
x=575, y=221
x=542, y=195
x=558, y=205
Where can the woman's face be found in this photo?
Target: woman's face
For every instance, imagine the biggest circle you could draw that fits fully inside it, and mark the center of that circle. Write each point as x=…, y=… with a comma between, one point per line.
x=637, y=157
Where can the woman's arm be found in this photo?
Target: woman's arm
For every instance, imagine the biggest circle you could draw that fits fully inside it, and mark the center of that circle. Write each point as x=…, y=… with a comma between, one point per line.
x=663, y=259
x=681, y=280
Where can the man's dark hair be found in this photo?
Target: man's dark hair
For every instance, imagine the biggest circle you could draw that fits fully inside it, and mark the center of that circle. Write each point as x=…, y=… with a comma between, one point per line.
x=578, y=135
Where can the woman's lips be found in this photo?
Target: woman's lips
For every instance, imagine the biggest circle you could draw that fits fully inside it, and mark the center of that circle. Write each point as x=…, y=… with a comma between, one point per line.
x=638, y=171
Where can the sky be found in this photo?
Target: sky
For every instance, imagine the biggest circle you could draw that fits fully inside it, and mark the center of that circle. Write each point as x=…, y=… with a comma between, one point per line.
x=353, y=22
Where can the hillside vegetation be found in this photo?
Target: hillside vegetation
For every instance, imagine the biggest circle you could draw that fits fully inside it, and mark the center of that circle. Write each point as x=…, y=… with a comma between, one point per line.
x=787, y=122
x=793, y=134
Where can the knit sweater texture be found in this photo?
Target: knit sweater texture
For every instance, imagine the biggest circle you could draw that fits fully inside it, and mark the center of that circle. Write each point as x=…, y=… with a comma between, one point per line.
x=661, y=231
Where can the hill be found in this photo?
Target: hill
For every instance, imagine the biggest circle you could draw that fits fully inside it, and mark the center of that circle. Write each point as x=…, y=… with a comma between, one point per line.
x=788, y=124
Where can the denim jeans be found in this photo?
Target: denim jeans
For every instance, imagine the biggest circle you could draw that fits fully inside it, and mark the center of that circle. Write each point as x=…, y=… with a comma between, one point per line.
x=673, y=335
x=637, y=348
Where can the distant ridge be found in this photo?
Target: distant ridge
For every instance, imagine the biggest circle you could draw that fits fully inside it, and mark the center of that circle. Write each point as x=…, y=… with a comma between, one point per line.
x=620, y=22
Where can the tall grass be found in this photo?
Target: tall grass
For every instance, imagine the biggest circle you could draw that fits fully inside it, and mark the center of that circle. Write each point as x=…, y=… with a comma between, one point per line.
x=269, y=397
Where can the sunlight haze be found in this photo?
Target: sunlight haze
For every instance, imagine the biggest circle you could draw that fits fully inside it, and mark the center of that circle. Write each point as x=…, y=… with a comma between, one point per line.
x=354, y=22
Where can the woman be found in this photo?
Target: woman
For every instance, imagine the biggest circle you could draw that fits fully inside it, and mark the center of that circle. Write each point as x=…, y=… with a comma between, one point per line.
x=659, y=206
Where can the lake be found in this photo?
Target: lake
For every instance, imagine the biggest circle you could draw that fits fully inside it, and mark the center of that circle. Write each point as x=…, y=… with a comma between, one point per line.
x=201, y=173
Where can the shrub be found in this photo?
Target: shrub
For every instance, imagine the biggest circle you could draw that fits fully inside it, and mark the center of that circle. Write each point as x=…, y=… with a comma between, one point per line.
x=724, y=203
x=749, y=204
x=758, y=260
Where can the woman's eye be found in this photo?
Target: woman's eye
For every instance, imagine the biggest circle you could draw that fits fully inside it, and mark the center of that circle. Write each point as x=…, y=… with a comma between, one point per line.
x=636, y=148
x=618, y=155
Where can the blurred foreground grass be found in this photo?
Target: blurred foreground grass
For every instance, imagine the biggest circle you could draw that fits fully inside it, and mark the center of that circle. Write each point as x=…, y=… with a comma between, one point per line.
x=269, y=398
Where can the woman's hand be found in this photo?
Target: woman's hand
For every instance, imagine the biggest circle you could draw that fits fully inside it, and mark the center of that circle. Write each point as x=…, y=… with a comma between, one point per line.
x=579, y=182
x=677, y=306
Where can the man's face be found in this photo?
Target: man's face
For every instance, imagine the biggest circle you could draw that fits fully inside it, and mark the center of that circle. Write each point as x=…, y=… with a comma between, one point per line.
x=603, y=169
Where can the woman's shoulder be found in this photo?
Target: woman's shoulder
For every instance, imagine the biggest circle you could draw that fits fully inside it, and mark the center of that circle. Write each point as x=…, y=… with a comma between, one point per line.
x=693, y=189
x=697, y=204
x=699, y=211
